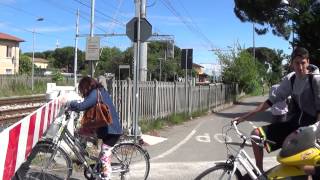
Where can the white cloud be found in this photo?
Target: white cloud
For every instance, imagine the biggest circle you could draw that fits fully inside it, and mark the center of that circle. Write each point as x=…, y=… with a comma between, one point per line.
x=8, y=1
x=2, y=25
x=53, y=29
x=211, y=68
x=168, y=20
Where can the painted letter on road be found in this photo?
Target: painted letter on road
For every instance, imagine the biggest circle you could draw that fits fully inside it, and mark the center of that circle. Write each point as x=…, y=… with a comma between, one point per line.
x=203, y=138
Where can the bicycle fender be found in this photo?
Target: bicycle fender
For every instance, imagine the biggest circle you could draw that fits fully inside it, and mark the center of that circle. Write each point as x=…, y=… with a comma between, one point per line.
x=285, y=172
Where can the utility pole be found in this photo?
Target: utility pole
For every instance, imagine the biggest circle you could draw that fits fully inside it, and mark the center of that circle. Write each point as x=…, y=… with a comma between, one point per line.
x=136, y=75
x=141, y=11
x=76, y=50
x=91, y=33
x=253, y=42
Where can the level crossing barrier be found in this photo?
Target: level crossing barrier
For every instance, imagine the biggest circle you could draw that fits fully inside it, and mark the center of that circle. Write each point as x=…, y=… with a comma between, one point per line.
x=17, y=141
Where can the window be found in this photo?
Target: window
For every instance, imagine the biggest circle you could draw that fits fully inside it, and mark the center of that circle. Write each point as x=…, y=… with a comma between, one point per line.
x=9, y=51
x=9, y=71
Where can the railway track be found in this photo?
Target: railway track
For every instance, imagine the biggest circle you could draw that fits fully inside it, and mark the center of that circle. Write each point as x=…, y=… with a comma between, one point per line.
x=13, y=109
x=22, y=99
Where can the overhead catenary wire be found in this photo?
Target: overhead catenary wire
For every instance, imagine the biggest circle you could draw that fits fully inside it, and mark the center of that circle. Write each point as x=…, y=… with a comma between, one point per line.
x=29, y=13
x=72, y=11
x=191, y=27
x=197, y=28
x=28, y=30
x=116, y=14
x=101, y=13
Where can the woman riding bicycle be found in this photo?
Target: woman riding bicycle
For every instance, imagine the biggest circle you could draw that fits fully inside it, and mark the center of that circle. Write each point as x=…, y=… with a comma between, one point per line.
x=110, y=134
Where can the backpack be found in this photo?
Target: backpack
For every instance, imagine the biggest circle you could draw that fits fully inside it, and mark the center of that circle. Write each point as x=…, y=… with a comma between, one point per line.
x=310, y=78
x=295, y=113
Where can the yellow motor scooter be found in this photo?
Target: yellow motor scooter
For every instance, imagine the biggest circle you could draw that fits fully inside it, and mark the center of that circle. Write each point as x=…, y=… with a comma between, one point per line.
x=300, y=148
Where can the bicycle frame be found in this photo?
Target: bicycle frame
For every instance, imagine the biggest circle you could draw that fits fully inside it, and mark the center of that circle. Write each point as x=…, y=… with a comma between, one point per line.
x=72, y=142
x=242, y=158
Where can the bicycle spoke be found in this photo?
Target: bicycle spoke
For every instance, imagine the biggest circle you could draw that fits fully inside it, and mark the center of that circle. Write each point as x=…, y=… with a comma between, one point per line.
x=133, y=161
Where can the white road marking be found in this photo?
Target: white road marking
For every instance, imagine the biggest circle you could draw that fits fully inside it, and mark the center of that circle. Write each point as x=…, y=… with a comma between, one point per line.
x=203, y=138
x=255, y=127
x=189, y=170
x=174, y=148
x=221, y=138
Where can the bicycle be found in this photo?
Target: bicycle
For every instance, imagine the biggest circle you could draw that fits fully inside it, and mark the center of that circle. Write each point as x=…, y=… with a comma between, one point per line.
x=230, y=168
x=50, y=160
x=301, y=147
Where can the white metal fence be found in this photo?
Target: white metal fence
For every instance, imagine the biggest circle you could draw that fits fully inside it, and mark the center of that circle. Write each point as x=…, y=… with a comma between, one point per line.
x=161, y=99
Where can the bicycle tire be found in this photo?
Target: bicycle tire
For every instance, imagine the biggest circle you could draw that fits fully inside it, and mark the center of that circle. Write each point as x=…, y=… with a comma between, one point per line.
x=220, y=171
x=60, y=167
x=130, y=161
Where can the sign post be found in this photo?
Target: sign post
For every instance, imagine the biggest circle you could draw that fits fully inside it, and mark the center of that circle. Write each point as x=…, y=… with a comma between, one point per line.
x=93, y=48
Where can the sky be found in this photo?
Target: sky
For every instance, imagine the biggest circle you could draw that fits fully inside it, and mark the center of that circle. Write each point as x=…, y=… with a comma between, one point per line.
x=202, y=25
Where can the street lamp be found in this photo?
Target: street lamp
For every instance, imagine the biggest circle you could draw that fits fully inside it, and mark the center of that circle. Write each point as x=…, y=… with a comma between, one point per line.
x=160, y=68
x=33, y=39
x=293, y=10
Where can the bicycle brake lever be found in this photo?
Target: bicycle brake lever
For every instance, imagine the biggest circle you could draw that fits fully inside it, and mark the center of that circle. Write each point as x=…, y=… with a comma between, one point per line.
x=271, y=142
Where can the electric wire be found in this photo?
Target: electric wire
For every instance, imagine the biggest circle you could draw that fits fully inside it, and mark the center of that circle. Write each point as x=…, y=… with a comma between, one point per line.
x=193, y=29
x=197, y=28
x=101, y=13
x=29, y=13
x=72, y=11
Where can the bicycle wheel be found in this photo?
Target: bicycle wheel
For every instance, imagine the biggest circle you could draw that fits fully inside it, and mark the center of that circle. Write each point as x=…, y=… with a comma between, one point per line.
x=130, y=161
x=219, y=172
x=46, y=163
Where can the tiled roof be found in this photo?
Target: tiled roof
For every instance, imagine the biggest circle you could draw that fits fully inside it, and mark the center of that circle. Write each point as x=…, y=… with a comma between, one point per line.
x=197, y=65
x=40, y=60
x=10, y=37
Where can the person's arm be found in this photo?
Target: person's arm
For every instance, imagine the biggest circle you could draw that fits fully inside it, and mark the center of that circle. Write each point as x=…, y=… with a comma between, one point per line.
x=262, y=107
x=88, y=102
x=316, y=88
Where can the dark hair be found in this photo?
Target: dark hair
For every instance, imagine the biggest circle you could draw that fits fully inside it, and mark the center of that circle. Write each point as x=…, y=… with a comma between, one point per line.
x=87, y=84
x=300, y=52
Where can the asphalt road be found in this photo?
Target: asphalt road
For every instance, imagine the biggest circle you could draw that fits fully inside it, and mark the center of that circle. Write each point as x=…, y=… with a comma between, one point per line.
x=197, y=144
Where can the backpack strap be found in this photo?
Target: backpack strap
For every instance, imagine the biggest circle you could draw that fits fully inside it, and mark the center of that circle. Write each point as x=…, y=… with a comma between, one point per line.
x=310, y=78
x=99, y=98
x=292, y=78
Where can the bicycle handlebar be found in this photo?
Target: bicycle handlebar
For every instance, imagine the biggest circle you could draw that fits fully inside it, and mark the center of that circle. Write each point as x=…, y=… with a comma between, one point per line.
x=260, y=141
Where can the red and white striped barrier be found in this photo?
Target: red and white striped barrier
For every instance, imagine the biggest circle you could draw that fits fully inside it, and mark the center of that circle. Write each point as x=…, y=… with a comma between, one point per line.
x=17, y=141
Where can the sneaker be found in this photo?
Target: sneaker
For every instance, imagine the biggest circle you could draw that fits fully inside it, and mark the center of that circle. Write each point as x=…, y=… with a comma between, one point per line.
x=102, y=177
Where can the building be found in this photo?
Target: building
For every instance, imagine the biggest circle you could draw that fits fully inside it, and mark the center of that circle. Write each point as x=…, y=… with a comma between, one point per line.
x=201, y=76
x=41, y=63
x=9, y=53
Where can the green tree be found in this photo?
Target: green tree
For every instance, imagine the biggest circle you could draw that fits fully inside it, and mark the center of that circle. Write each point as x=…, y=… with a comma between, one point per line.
x=110, y=60
x=240, y=67
x=301, y=16
x=63, y=58
x=271, y=60
x=170, y=67
x=25, y=65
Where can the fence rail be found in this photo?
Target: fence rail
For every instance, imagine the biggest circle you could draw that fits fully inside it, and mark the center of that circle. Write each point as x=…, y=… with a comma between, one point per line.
x=162, y=99
x=9, y=81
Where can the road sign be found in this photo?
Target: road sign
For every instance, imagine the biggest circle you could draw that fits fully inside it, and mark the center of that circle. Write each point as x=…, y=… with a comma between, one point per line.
x=186, y=58
x=124, y=66
x=132, y=29
x=93, y=48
